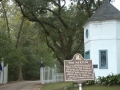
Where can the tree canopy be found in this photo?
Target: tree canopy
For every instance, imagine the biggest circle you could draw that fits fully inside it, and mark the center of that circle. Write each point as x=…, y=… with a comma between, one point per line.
x=60, y=26
x=32, y=31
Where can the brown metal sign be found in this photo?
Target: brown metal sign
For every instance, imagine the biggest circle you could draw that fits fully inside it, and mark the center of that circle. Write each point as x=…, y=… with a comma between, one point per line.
x=78, y=69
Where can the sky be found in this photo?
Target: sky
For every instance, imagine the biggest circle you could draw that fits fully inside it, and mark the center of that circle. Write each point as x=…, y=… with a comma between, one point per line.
x=117, y=4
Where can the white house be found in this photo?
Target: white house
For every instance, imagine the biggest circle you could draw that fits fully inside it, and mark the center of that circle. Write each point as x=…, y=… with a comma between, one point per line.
x=102, y=40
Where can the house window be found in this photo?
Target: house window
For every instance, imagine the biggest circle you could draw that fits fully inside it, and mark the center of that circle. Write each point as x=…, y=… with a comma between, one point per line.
x=87, y=33
x=87, y=55
x=103, y=59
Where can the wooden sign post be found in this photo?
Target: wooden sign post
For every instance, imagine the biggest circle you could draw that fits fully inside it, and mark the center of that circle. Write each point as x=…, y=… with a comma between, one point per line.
x=78, y=70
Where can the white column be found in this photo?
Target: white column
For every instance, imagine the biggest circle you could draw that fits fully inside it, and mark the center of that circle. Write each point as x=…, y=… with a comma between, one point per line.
x=41, y=75
x=5, y=74
x=0, y=77
x=48, y=74
x=54, y=73
x=1, y=72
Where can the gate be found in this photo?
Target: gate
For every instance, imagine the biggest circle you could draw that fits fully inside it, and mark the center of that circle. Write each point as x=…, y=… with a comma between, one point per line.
x=49, y=75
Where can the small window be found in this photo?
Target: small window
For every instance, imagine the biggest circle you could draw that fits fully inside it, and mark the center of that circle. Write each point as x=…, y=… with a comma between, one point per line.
x=87, y=55
x=103, y=60
x=87, y=33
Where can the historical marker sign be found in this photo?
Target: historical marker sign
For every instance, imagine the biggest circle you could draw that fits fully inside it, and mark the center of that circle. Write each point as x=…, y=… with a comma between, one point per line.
x=78, y=69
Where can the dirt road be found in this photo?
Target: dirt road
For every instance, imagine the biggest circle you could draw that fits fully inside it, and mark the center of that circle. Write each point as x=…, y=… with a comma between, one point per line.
x=22, y=85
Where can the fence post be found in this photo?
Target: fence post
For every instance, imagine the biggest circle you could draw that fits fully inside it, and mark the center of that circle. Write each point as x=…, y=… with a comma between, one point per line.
x=5, y=74
x=2, y=72
x=54, y=73
x=41, y=75
x=48, y=75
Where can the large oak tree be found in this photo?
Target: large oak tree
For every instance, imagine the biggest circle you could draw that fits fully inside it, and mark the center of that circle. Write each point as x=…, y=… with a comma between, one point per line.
x=61, y=25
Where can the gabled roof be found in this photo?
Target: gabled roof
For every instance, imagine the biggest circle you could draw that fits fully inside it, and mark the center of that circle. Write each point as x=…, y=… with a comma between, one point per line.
x=106, y=12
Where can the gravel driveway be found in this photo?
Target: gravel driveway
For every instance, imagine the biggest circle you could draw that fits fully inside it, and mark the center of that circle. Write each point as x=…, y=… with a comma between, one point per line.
x=22, y=85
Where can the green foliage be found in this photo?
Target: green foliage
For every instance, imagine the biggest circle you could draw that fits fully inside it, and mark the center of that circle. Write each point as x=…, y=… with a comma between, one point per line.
x=5, y=47
x=14, y=59
x=31, y=49
x=110, y=80
x=31, y=70
x=60, y=26
x=87, y=83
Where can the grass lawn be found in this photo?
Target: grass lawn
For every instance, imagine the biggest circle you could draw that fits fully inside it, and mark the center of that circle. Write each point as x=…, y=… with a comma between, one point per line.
x=100, y=88
x=55, y=86
x=66, y=85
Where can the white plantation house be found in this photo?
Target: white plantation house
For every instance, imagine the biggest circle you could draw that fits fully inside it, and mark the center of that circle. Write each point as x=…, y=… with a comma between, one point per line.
x=102, y=40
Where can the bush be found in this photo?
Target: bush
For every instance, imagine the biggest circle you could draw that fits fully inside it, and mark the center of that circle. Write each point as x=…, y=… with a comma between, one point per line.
x=109, y=80
x=92, y=82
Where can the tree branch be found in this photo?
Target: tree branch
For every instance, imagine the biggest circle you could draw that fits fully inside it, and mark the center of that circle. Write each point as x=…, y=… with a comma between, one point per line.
x=6, y=18
x=54, y=52
x=18, y=37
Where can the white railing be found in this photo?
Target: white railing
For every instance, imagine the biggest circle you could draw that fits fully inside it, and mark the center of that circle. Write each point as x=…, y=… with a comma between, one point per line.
x=49, y=75
x=59, y=77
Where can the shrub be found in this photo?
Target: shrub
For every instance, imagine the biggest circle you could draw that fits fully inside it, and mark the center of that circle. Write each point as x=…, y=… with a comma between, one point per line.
x=92, y=82
x=110, y=80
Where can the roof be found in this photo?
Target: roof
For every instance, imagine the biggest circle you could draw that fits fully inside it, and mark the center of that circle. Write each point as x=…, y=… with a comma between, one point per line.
x=105, y=12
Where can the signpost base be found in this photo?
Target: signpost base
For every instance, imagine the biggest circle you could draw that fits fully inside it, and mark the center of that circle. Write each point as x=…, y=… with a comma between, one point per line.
x=80, y=86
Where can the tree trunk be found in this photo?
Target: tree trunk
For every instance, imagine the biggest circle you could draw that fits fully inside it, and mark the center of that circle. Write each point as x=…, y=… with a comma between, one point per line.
x=19, y=33
x=6, y=19
x=20, y=78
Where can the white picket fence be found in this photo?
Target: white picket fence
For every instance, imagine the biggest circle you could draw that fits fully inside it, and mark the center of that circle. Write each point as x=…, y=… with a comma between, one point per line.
x=49, y=75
